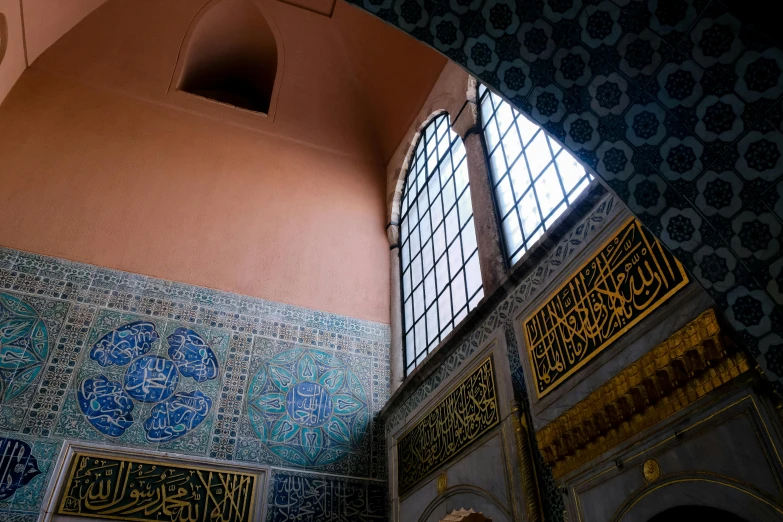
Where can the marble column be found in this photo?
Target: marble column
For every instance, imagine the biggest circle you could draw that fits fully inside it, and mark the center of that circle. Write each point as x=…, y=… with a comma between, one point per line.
x=396, y=367
x=491, y=258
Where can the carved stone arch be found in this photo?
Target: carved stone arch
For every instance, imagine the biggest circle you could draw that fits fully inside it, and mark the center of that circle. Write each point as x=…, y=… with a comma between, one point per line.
x=455, y=93
x=402, y=173
x=455, y=498
x=465, y=515
x=704, y=490
x=249, y=39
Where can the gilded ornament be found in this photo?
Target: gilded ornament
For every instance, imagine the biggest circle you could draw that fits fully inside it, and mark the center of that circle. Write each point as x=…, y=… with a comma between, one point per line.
x=443, y=483
x=631, y=275
x=651, y=470
x=692, y=362
x=99, y=486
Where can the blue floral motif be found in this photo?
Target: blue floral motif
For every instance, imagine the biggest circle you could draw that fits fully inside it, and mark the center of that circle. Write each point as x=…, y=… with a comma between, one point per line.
x=17, y=466
x=192, y=355
x=151, y=378
x=124, y=344
x=177, y=416
x=24, y=345
x=307, y=407
x=105, y=405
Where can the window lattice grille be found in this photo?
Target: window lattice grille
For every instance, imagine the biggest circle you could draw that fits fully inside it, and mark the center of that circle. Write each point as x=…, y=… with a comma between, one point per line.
x=533, y=178
x=441, y=278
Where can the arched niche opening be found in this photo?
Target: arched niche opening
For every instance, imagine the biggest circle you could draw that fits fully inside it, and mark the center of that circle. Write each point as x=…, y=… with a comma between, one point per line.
x=231, y=57
x=694, y=513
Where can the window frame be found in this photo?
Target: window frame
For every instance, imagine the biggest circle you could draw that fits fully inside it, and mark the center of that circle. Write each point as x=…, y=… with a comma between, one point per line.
x=471, y=298
x=511, y=258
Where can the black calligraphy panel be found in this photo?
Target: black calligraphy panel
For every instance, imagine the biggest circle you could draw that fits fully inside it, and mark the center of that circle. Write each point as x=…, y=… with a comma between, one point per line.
x=630, y=276
x=464, y=415
x=139, y=490
x=299, y=497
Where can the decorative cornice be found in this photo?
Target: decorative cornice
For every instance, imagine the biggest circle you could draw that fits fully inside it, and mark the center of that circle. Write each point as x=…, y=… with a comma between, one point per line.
x=688, y=365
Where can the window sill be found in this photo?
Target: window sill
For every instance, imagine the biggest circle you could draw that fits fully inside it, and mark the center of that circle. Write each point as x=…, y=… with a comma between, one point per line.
x=515, y=275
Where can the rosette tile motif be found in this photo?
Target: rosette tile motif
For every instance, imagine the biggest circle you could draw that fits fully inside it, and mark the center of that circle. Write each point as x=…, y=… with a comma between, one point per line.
x=307, y=407
x=24, y=345
x=108, y=405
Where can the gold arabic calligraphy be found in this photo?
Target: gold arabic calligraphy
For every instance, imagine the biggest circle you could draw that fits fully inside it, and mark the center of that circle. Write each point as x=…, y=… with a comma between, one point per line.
x=463, y=416
x=630, y=277
x=123, y=489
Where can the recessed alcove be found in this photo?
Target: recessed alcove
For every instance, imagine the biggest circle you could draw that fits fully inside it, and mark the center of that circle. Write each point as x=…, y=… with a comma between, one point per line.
x=231, y=57
x=3, y=36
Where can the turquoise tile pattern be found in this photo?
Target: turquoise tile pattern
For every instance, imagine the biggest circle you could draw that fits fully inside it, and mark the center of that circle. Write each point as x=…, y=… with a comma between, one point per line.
x=113, y=358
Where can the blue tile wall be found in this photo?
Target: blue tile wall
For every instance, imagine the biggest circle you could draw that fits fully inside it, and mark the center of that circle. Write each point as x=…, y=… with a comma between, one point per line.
x=676, y=104
x=108, y=357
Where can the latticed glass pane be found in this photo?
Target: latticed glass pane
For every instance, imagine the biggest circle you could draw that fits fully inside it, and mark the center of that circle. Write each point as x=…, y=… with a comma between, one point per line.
x=441, y=277
x=534, y=178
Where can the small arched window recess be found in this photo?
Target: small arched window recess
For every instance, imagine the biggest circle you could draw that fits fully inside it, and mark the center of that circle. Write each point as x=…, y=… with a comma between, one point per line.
x=231, y=56
x=534, y=179
x=441, y=277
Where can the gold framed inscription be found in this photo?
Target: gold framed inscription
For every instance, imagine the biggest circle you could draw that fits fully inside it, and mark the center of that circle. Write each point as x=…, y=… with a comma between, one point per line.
x=459, y=419
x=631, y=275
x=116, y=488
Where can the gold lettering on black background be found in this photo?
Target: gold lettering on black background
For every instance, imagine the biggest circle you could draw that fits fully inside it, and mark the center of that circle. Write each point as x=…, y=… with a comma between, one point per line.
x=131, y=489
x=630, y=277
x=464, y=415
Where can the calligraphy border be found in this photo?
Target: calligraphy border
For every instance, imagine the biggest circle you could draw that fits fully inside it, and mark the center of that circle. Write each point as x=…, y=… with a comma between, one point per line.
x=74, y=458
x=437, y=405
x=560, y=380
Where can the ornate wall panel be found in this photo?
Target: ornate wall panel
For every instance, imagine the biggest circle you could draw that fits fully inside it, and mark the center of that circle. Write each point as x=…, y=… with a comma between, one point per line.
x=676, y=104
x=571, y=245
x=630, y=276
x=295, y=497
x=90, y=354
x=459, y=419
x=135, y=489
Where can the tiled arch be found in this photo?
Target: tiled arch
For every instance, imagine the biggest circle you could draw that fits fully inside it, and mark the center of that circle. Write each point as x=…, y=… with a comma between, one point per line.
x=685, y=102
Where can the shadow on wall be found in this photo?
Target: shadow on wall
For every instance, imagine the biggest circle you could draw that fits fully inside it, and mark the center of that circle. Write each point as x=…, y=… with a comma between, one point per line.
x=231, y=57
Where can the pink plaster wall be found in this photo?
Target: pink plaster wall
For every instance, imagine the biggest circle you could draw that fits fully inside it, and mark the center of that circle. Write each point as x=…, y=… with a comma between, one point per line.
x=47, y=20
x=102, y=165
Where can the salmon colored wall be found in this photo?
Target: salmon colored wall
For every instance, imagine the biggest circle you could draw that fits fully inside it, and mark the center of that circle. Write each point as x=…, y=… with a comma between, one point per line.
x=392, y=67
x=102, y=165
x=45, y=21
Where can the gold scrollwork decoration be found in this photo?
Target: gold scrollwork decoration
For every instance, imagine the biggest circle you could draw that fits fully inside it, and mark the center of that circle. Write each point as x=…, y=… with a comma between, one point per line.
x=631, y=275
x=692, y=362
x=469, y=411
x=116, y=488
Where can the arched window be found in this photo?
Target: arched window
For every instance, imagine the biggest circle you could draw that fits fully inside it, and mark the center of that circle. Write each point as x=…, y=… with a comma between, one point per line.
x=534, y=179
x=441, y=279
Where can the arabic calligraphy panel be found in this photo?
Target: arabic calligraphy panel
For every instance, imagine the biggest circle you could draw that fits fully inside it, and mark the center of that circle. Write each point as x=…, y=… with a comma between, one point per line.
x=18, y=466
x=463, y=416
x=117, y=488
x=298, y=497
x=630, y=276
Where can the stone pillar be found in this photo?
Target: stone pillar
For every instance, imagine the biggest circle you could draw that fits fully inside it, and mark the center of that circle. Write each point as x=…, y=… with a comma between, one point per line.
x=396, y=366
x=491, y=258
